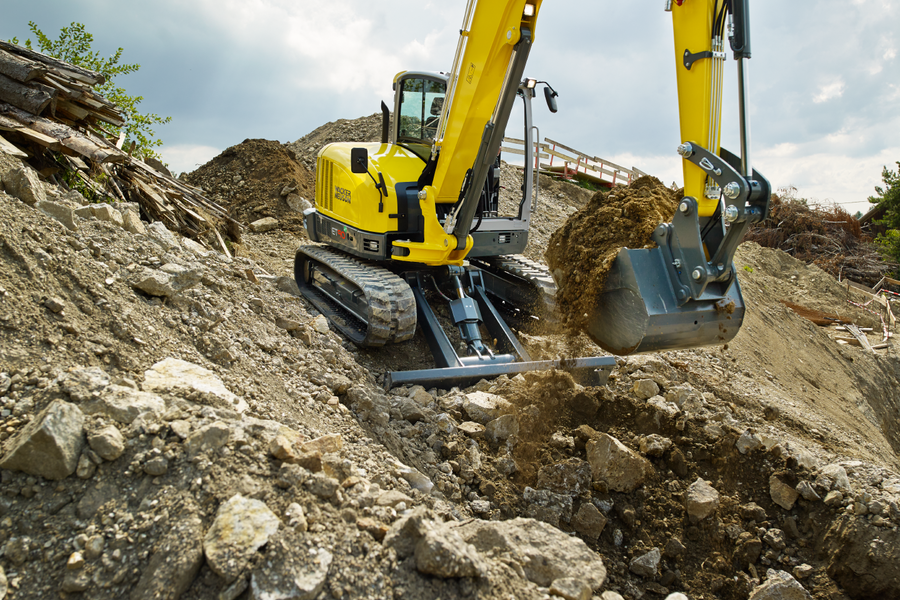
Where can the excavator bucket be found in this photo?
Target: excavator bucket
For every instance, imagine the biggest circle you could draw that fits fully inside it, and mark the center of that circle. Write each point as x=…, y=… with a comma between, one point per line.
x=638, y=311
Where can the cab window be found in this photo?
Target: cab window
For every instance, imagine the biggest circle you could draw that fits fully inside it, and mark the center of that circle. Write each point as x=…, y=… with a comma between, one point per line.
x=421, y=102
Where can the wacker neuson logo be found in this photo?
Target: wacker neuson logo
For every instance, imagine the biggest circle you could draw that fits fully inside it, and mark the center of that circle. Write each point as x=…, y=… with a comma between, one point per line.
x=341, y=194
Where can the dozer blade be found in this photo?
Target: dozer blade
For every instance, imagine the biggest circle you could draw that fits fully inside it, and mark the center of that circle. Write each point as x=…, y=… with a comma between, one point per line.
x=638, y=312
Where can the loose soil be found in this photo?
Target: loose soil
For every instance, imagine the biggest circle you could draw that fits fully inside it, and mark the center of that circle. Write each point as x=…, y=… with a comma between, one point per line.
x=582, y=251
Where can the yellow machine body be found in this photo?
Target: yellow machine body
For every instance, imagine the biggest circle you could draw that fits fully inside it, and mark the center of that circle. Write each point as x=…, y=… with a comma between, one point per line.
x=699, y=92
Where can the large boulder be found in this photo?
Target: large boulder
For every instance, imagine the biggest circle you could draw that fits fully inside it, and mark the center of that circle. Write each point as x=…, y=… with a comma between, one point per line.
x=241, y=527
x=175, y=376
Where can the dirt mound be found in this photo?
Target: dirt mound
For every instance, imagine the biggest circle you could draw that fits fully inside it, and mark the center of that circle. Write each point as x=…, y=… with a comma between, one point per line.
x=364, y=129
x=582, y=251
x=257, y=179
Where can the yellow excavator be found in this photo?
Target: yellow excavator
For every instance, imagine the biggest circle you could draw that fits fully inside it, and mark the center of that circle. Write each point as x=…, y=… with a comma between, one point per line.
x=415, y=218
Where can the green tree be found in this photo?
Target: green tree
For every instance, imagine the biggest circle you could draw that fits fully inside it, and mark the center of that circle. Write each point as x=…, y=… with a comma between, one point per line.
x=74, y=46
x=889, y=197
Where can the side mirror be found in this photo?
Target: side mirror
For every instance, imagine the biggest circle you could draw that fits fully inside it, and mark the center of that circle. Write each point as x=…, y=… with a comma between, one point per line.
x=359, y=160
x=550, y=95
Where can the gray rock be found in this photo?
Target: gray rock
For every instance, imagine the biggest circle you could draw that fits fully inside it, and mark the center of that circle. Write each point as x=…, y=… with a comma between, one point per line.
x=131, y=222
x=776, y=539
x=287, y=574
x=654, y=445
x=748, y=442
x=208, y=438
x=589, y=521
x=483, y=407
x=287, y=285
x=296, y=518
x=645, y=389
x=701, y=500
x=647, y=564
x=838, y=476
x=322, y=485
x=159, y=283
x=75, y=582
x=105, y=212
x=405, y=533
x=86, y=467
x=570, y=477
x=22, y=182
x=175, y=562
x=55, y=304
x=392, y=498
x=165, y=238
x=263, y=225
x=471, y=429
x=611, y=461
x=124, y=404
x=571, y=588
x=297, y=203
x=544, y=552
x=782, y=494
x=548, y=506
x=50, y=445
x=502, y=428
x=156, y=467
x=779, y=585
x=108, y=442
x=60, y=212
x=320, y=324
x=179, y=377
x=241, y=526
x=84, y=383
x=443, y=553
x=807, y=491
x=411, y=410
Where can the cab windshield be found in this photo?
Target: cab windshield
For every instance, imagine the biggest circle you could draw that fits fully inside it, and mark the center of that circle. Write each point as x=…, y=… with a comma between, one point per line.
x=421, y=101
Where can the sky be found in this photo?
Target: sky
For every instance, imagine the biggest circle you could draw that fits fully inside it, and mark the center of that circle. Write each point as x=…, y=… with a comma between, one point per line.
x=824, y=80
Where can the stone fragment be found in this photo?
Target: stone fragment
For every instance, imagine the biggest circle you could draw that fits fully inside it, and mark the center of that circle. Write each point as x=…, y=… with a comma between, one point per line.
x=571, y=588
x=748, y=548
x=159, y=283
x=544, y=552
x=589, y=521
x=60, y=212
x=753, y=511
x=392, y=498
x=674, y=548
x=645, y=389
x=55, y=304
x=297, y=203
x=22, y=182
x=241, y=526
x=483, y=407
x=838, y=476
x=443, y=553
x=158, y=232
x=75, y=582
x=404, y=535
x=208, y=438
x=50, y=445
x=296, y=518
x=701, y=500
x=322, y=485
x=803, y=571
x=782, y=494
x=611, y=461
x=263, y=225
x=647, y=564
x=748, y=442
x=411, y=410
x=108, y=442
x=105, y=212
x=320, y=324
x=156, y=467
x=75, y=562
x=654, y=445
x=548, y=506
x=124, y=404
x=833, y=498
x=775, y=539
x=807, y=491
x=131, y=222
x=175, y=563
x=502, y=428
x=287, y=574
x=377, y=529
x=86, y=467
x=325, y=444
x=287, y=285
x=471, y=429
x=84, y=383
x=779, y=585
x=570, y=477
x=179, y=377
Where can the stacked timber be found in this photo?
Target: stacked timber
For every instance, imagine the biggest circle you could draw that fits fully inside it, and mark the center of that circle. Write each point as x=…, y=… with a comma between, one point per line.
x=51, y=116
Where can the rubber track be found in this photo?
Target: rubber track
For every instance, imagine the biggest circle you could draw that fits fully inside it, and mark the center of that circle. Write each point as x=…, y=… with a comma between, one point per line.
x=536, y=274
x=391, y=314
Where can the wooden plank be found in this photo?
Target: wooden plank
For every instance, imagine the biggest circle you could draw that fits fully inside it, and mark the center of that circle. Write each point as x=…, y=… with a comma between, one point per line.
x=77, y=73
x=10, y=148
x=860, y=336
x=36, y=136
x=222, y=243
x=72, y=109
x=564, y=147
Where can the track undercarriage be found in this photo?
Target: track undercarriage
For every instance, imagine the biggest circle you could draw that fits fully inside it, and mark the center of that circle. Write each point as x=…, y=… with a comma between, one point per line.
x=373, y=305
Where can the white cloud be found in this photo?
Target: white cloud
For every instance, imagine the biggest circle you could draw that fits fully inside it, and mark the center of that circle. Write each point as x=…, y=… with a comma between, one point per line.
x=834, y=89
x=184, y=158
